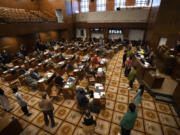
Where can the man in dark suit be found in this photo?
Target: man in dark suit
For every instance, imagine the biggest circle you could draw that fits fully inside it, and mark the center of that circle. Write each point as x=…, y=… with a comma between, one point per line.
x=82, y=99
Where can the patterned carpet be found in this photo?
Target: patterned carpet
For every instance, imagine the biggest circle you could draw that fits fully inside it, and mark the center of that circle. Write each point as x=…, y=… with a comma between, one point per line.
x=154, y=118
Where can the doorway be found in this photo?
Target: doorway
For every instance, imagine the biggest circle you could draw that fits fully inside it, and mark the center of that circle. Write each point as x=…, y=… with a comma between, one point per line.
x=59, y=15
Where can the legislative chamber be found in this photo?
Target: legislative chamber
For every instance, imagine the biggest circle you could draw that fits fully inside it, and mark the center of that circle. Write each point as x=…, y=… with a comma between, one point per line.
x=89, y=67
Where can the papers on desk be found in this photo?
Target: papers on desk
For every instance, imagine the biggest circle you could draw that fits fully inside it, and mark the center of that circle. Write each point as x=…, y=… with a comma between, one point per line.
x=70, y=80
x=16, y=67
x=39, y=64
x=66, y=86
x=146, y=64
x=81, y=66
x=100, y=71
x=99, y=87
x=75, y=70
x=97, y=95
x=142, y=56
x=103, y=61
x=41, y=80
x=5, y=72
x=61, y=63
x=49, y=74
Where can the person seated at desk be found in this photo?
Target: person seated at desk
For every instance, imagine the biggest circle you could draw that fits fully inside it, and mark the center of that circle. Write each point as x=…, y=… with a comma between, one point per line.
x=87, y=69
x=22, y=70
x=62, y=57
x=20, y=55
x=95, y=60
x=59, y=80
x=30, y=81
x=41, y=47
x=6, y=58
x=150, y=60
x=4, y=67
x=70, y=67
x=81, y=98
x=103, y=51
x=177, y=48
x=34, y=74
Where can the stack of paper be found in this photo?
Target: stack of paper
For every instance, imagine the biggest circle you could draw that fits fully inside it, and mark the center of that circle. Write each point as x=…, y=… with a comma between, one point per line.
x=97, y=95
x=100, y=71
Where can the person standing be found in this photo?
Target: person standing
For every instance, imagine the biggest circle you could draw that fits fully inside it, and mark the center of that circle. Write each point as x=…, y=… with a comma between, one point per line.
x=21, y=101
x=128, y=120
x=124, y=58
x=4, y=101
x=88, y=124
x=138, y=97
x=128, y=66
x=47, y=108
x=132, y=77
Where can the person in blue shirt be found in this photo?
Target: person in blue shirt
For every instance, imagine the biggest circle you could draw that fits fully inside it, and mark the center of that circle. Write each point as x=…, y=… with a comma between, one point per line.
x=138, y=97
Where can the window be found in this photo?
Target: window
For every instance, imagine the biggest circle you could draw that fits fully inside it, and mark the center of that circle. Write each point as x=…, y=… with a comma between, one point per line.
x=119, y=3
x=101, y=5
x=138, y=3
x=84, y=5
x=113, y=31
x=142, y=3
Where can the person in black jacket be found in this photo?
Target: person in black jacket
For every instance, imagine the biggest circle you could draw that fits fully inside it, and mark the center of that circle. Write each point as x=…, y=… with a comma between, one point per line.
x=89, y=71
x=88, y=124
x=4, y=67
x=59, y=80
x=22, y=70
x=124, y=58
x=81, y=98
x=70, y=66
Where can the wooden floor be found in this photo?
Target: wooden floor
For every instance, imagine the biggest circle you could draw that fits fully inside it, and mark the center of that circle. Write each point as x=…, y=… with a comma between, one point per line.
x=154, y=118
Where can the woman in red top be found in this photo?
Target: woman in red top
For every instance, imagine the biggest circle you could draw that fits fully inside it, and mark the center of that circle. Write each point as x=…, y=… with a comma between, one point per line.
x=128, y=66
x=95, y=60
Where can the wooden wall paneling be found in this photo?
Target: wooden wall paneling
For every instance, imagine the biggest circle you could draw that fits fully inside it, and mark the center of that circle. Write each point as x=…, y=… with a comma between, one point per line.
x=65, y=6
x=92, y=6
x=10, y=44
x=110, y=5
x=106, y=33
x=24, y=4
x=29, y=41
x=88, y=33
x=23, y=29
x=167, y=24
x=130, y=2
x=125, y=32
x=51, y=6
x=111, y=25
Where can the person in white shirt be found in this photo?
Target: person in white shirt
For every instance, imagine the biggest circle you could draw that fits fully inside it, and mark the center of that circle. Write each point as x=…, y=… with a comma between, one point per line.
x=21, y=101
x=4, y=101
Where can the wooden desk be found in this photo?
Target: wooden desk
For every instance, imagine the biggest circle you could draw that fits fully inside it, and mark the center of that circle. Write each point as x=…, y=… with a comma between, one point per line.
x=69, y=92
x=176, y=95
x=152, y=80
x=9, y=126
x=141, y=69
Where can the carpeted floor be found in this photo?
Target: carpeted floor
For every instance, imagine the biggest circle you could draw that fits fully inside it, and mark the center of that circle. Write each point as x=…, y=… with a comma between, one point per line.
x=154, y=118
